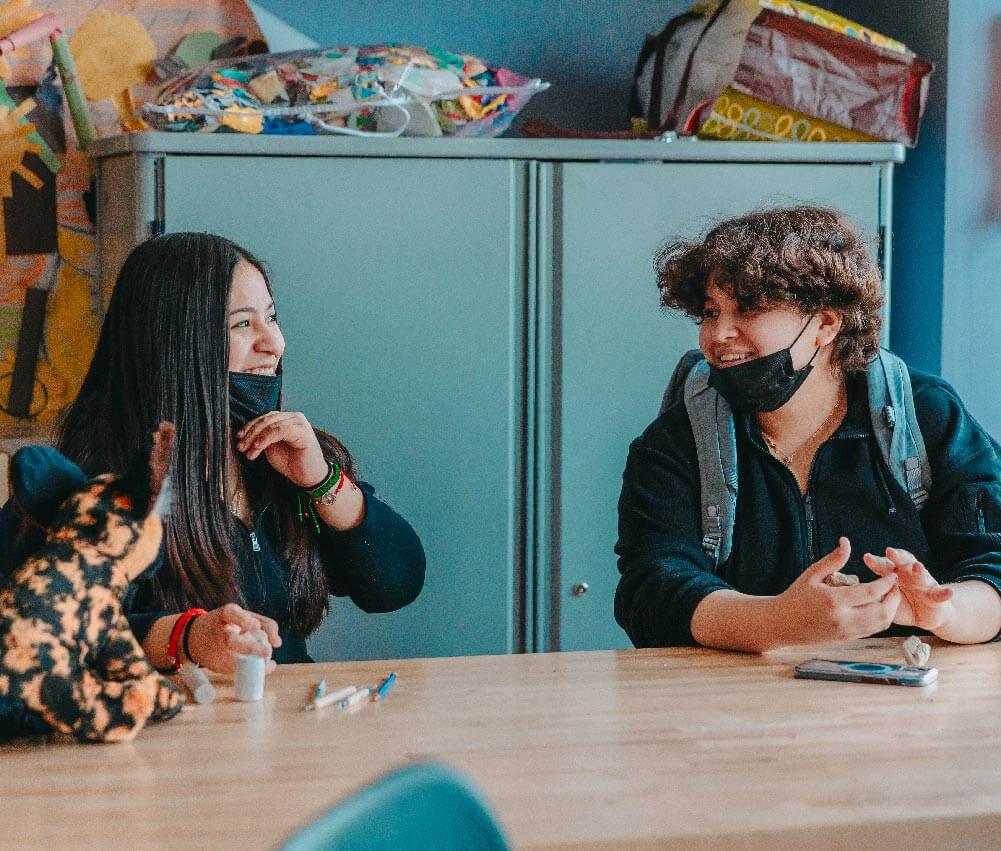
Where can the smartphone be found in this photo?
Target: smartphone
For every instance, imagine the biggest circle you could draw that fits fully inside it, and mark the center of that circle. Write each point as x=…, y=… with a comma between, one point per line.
x=866, y=672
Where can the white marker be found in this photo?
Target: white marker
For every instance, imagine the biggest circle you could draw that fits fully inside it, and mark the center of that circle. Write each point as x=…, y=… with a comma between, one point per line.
x=194, y=678
x=332, y=697
x=355, y=698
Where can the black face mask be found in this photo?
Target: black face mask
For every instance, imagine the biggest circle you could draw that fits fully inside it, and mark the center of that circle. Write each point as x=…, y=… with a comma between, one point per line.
x=251, y=396
x=762, y=384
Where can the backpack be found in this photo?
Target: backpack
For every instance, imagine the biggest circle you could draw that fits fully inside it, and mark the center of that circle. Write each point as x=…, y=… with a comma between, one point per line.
x=891, y=404
x=689, y=62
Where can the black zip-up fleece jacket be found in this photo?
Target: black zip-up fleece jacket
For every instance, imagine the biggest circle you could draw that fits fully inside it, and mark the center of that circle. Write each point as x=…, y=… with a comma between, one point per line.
x=779, y=532
x=379, y=564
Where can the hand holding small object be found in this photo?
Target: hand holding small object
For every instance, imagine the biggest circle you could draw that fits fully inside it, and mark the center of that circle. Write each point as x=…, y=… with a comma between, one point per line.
x=218, y=636
x=811, y=610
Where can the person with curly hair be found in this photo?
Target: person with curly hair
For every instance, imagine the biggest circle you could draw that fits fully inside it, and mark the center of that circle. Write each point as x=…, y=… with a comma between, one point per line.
x=788, y=303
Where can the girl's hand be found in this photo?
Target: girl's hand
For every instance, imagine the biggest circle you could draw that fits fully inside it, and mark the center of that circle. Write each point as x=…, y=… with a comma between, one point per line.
x=809, y=610
x=289, y=443
x=218, y=636
x=925, y=604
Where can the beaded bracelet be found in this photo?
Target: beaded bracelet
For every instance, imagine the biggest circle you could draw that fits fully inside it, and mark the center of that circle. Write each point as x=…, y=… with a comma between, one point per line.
x=326, y=492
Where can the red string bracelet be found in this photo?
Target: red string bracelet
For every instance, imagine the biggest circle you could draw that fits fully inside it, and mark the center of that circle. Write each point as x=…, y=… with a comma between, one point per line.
x=173, y=657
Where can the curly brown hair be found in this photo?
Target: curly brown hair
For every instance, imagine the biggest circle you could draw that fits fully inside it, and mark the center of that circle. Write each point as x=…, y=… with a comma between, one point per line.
x=808, y=258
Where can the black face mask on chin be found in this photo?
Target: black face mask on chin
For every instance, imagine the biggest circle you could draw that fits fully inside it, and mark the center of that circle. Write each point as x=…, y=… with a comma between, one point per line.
x=763, y=384
x=251, y=396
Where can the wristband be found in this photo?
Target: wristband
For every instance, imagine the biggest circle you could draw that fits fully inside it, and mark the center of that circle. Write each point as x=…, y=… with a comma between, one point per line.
x=326, y=492
x=173, y=657
x=185, y=636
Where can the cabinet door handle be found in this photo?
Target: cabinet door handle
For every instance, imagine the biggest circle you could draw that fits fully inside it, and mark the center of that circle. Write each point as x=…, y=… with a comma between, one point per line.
x=579, y=589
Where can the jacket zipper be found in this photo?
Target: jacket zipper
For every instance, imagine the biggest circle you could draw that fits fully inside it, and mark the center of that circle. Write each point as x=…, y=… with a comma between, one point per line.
x=811, y=522
x=981, y=522
x=806, y=502
x=255, y=545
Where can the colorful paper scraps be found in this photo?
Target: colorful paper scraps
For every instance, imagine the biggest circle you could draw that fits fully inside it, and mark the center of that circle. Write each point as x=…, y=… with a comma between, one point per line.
x=389, y=89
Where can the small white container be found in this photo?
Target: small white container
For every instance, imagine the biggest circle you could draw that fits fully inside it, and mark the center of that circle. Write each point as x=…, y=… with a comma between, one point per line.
x=248, y=679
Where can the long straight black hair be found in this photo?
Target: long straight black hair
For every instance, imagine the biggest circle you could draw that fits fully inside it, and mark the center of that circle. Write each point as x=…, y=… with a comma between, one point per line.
x=163, y=354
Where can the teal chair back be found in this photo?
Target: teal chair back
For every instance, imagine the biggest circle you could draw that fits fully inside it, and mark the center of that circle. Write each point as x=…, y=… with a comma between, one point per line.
x=419, y=807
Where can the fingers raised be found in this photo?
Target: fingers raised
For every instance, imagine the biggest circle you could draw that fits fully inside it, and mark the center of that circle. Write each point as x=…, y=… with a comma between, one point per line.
x=831, y=563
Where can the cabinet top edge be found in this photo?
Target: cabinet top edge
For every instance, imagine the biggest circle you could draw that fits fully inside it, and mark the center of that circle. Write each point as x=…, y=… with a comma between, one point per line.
x=682, y=150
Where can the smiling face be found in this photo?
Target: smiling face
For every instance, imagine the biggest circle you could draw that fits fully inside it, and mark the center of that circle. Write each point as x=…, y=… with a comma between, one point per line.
x=729, y=336
x=255, y=340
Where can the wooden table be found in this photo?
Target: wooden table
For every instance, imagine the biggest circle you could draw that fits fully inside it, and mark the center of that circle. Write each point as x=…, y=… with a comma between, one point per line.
x=630, y=749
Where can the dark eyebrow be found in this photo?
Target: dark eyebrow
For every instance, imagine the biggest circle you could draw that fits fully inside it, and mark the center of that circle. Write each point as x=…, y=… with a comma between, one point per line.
x=250, y=309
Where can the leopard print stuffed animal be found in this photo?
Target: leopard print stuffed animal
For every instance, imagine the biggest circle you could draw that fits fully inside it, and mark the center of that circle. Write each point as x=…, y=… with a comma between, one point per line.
x=69, y=663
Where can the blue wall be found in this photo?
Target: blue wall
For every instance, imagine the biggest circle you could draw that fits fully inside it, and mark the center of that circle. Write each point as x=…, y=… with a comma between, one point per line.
x=971, y=348
x=587, y=50
x=919, y=184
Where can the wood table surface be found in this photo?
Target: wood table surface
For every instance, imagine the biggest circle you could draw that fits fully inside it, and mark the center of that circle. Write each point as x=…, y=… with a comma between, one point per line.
x=689, y=748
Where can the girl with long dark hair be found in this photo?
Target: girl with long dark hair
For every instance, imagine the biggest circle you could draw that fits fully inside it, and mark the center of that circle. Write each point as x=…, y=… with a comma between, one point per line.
x=267, y=518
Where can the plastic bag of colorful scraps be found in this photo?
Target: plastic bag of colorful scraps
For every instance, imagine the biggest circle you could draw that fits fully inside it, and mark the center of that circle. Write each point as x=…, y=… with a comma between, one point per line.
x=380, y=90
x=808, y=75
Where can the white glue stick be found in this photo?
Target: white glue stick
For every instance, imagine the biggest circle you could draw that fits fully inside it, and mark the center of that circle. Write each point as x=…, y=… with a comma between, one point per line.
x=198, y=684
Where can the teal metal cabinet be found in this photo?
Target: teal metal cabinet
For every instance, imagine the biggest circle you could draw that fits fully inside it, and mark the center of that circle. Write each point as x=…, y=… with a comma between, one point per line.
x=478, y=321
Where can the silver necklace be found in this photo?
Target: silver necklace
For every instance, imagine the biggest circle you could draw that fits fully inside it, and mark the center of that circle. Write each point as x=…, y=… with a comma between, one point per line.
x=787, y=457
x=236, y=504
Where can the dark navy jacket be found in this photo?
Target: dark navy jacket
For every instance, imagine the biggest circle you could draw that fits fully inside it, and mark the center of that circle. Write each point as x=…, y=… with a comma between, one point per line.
x=779, y=532
x=379, y=564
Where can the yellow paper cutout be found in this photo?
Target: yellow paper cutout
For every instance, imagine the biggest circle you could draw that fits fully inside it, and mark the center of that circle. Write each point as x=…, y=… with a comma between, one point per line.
x=112, y=53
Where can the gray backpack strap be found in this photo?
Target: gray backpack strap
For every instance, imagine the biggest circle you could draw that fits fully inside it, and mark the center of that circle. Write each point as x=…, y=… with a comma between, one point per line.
x=675, y=391
x=895, y=425
x=716, y=444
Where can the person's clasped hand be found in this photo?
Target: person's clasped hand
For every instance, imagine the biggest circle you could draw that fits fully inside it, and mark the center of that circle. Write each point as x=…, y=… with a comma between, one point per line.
x=925, y=603
x=810, y=611
x=288, y=442
x=218, y=636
